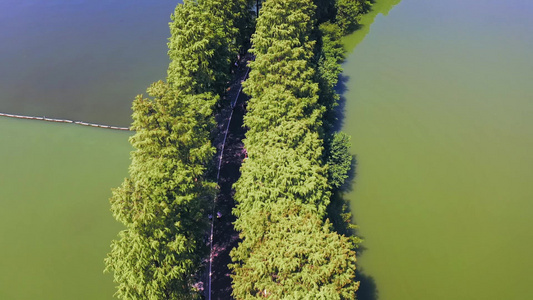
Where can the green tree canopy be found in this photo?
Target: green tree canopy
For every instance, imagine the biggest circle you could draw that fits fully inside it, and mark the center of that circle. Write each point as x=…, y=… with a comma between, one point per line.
x=288, y=248
x=339, y=159
x=205, y=37
x=299, y=257
x=348, y=12
x=163, y=202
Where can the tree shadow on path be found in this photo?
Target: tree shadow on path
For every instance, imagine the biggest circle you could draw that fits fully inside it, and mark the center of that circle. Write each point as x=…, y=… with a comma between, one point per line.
x=225, y=237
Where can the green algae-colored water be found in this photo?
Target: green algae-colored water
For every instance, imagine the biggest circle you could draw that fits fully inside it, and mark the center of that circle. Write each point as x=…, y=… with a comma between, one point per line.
x=440, y=108
x=55, y=222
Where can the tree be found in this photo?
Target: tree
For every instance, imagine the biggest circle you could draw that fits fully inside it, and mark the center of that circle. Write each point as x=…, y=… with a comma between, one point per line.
x=192, y=45
x=298, y=257
x=204, y=42
x=288, y=248
x=348, y=12
x=325, y=10
x=339, y=159
x=330, y=56
x=163, y=204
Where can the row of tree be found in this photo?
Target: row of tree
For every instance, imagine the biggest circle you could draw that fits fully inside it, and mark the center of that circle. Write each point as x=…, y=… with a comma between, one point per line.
x=330, y=54
x=289, y=248
x=164, y=202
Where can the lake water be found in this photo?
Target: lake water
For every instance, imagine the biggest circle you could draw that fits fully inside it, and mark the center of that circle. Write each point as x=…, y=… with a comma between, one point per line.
x=55, y=222
x=440, y=108
x=80, y=60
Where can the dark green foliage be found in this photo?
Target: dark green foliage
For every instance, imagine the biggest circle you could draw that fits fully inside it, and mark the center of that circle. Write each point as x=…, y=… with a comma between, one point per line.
x=340, y=216
x=339, y=159
x=244, y=21
x=348, y=12
x=330, y=57
x=332, y=52
x=326, y=10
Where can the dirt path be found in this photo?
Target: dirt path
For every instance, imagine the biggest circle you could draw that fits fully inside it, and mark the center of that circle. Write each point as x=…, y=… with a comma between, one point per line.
x=224, y=235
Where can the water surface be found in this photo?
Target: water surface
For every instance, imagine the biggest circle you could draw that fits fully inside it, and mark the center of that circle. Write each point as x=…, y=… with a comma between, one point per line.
x=81, y=60
x=55, y=222
x=439, y=105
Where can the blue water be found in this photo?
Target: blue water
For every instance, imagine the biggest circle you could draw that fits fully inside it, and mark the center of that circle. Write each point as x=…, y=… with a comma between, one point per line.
x=81, y=60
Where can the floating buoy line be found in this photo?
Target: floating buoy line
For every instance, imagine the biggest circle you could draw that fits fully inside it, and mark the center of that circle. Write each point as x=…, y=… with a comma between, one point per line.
x=62, y=121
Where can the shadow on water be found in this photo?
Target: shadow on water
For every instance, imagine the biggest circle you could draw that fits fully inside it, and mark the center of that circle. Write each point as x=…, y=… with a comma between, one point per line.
x=339, y=210
x=339, y=110
x=367, y=287
x=340, y=204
